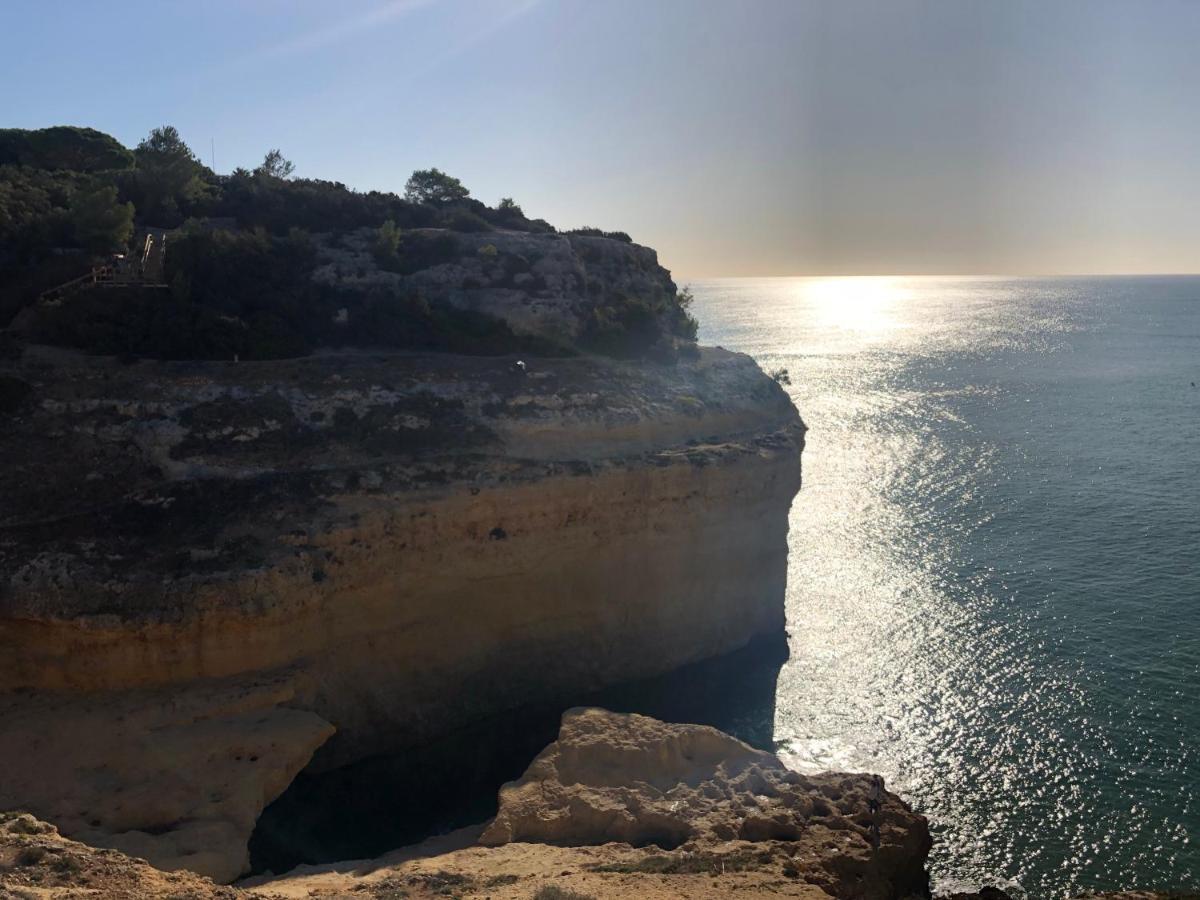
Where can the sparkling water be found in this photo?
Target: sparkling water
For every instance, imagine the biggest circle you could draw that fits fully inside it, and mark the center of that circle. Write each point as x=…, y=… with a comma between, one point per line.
x=994, y=585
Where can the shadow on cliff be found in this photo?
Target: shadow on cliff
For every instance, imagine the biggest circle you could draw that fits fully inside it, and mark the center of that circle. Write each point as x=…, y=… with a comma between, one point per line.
x=384, y=802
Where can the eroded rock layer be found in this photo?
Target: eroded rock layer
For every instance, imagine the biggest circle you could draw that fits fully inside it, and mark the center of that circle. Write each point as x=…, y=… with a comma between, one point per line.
x=412, y=542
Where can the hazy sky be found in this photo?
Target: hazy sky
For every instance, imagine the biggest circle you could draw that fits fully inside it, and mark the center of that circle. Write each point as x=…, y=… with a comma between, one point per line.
x=737, y=137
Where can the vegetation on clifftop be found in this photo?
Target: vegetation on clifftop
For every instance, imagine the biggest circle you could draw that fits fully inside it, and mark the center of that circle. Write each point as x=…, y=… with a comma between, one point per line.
x=70, y=197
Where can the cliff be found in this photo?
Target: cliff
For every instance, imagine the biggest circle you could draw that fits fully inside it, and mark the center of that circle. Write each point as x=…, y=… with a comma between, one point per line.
x=540, y=284
x=212, y=571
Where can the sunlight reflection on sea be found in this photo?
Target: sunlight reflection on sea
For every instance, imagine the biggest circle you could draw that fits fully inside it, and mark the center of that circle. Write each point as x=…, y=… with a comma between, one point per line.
x=993, y=597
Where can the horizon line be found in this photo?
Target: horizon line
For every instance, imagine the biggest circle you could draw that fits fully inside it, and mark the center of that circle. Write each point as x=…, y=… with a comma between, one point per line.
x=946, y=275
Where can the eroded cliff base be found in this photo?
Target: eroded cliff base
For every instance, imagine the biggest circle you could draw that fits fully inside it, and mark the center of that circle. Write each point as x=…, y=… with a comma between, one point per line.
x=617, y=806
x=354, y=812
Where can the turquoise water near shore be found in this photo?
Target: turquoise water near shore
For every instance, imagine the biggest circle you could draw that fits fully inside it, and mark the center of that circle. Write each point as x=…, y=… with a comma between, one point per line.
x=994, y=582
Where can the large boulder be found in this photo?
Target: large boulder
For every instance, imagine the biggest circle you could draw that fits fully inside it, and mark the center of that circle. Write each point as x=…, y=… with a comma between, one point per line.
x=635, y=780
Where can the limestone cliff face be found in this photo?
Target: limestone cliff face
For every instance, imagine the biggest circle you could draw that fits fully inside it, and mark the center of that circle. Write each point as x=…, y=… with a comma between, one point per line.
x=544, y=284
x=381, y=548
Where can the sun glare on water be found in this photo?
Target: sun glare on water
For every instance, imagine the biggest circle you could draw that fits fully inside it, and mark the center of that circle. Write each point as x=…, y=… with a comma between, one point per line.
x=866, y=305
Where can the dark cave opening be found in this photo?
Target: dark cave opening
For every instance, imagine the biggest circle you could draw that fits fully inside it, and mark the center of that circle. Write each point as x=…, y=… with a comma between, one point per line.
x=388, y=801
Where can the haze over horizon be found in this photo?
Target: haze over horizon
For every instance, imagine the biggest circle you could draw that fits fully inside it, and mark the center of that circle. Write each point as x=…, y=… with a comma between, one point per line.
x=758, y=137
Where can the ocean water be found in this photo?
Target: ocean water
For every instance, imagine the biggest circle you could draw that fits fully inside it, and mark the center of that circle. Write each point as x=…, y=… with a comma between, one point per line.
x=994, y=582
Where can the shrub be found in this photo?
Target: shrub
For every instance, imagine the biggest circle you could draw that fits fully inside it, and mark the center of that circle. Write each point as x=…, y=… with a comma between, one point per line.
x=465, y=220
x=100, y=223
x=553, y=892
x=386, y=248
x=278, y=204
x=404, y=320
x=682, y=323
x=596, y=232
x=416, y=250
x=31, y=855
x=624, y=326
x=246, y=294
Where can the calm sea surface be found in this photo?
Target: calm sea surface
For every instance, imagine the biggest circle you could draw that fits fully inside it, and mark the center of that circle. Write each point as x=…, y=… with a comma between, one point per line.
x=994, y=587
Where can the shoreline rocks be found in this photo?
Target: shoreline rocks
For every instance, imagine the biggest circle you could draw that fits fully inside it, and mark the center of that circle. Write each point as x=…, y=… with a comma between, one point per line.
x=736, y=822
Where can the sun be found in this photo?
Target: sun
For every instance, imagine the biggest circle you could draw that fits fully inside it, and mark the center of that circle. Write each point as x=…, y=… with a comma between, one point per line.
x=865, y=304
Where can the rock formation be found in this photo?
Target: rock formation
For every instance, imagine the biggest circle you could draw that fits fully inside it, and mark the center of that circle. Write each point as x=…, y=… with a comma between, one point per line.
x=357, y=553
x=543, y=284
x=647, y=808
x=619, y=806
x=631, y=779
x=178, y=777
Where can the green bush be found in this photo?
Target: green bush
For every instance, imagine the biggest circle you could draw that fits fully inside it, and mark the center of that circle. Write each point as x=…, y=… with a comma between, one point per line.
x=596, y=232
x=554, y=892
x=101, y=224
x=465, y=220
x=626, y=327
x=412, y=251
x=404, y=320
x=636, y=327
x=681, y=321
x=386, y=248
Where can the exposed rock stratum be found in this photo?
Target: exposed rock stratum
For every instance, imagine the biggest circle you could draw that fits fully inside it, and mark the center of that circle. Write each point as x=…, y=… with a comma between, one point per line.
x=215, y=575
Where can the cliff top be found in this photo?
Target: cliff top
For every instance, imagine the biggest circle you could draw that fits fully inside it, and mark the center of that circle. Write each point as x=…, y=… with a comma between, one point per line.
x=262, y=265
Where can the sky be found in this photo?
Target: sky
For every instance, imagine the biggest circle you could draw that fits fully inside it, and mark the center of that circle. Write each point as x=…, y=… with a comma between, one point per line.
x=737, y=137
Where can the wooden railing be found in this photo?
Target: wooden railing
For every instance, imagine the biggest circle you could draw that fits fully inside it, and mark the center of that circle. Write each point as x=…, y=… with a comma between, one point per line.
x=147, y=273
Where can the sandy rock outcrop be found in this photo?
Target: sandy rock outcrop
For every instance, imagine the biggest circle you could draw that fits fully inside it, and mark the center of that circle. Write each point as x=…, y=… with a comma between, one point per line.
x=177, y=777
x=37, y=862
x=635, y=780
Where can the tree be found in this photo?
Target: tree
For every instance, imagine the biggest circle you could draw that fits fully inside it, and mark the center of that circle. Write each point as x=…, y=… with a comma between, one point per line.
x=274, y=165
x=101, y=223
x=168, y=179
x=163, y=145
x=434, y=187
x=63, y=147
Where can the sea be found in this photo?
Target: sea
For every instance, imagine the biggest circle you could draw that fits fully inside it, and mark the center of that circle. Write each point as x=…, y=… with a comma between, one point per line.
x=994, y=575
